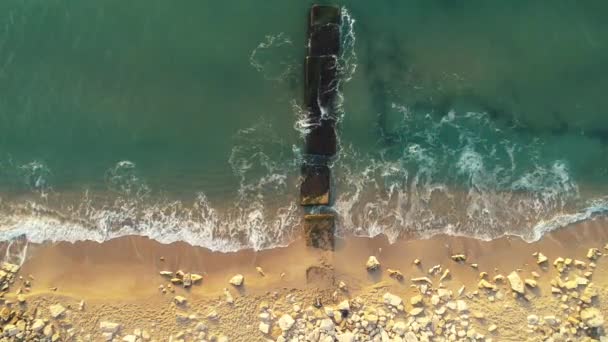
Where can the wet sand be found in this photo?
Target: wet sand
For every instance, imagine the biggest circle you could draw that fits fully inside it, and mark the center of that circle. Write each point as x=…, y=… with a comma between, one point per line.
x=119, y=280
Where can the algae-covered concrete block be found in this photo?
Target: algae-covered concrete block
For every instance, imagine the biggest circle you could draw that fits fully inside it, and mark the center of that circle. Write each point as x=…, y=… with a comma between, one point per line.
x=324, y=40
x=321, y=85
x=322, y=140
x=314, y=189
x=324, y=14
x=319, y=231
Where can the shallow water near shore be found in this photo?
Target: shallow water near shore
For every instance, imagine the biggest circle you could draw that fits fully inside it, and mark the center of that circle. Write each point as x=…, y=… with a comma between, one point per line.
x=183, y=123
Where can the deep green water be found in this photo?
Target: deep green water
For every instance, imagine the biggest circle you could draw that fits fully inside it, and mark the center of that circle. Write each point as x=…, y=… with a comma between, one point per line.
x=181, y=121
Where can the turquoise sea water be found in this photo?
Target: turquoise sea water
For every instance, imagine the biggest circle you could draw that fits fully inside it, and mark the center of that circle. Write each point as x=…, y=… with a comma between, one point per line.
x=183, y=121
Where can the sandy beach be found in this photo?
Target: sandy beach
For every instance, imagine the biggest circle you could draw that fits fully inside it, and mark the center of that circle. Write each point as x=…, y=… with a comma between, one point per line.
x=89, y=291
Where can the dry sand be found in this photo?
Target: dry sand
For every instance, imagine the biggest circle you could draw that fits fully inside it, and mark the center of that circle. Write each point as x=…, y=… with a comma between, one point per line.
x=119, y=282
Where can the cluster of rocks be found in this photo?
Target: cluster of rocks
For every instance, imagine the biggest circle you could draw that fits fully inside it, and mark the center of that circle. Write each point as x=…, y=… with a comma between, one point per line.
x=435, y=315
x=179, y=278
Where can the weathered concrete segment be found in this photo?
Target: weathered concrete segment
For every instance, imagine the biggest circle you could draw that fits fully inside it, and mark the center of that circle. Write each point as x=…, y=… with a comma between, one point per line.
x=319, y=231
x=315, y=185
x=321, y=86
x=324, y=40
x=322, y=139
x=324, y=14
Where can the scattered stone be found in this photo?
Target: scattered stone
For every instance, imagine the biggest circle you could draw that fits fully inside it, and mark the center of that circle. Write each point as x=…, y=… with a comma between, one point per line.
x=286, y=322
x=484, y=284
x=229, y=298
x=130, y=338
x=422, y=279
x=434, y=269
x=416, y=300
x=459, y=257
x=541, y=258
x=342, y=286
x=260, y=271
x=372, y=263
x=237, y=280
x=532, y=319
x=10, y=330
x=109, y=327
x=592, y=317
x=530, y=282
x=196, y=278
x=395, y=274
x=593, y=253
x=344, y=306
x=515, y=281
x=56, y=310
x=461, y=306
x=416, y=311
x=560, y=264
x=445, y=275
x=492, y=328
x=391, y=299
x=166, y=274
x=551, y=320
x=416, y=262
x=264, y=328
x=179, y=300
x=187, y=280
x=38, y=325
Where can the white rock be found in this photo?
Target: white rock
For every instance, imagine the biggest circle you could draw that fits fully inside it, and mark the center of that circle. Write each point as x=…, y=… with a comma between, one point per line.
x=372, y=263
x=38, y=325
x=229, y=298
x=444, y=294
x=237, y=280
x=517, y=284
x=462, y=306
x=541, y=258
x=346, y=337
x=286, y=322
x=416, y=311
x=109, y=327
x=327, y=325
x=129, y=338
x=532, y=319
x=410, y=337
x=551, y=320
x=180, y=300
x=10, y=330
x=592, y=317
x=399, y=328
x=344, y=306
x=56, y=310
x=416, y=300
x=392, y=299
x=264, y=327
